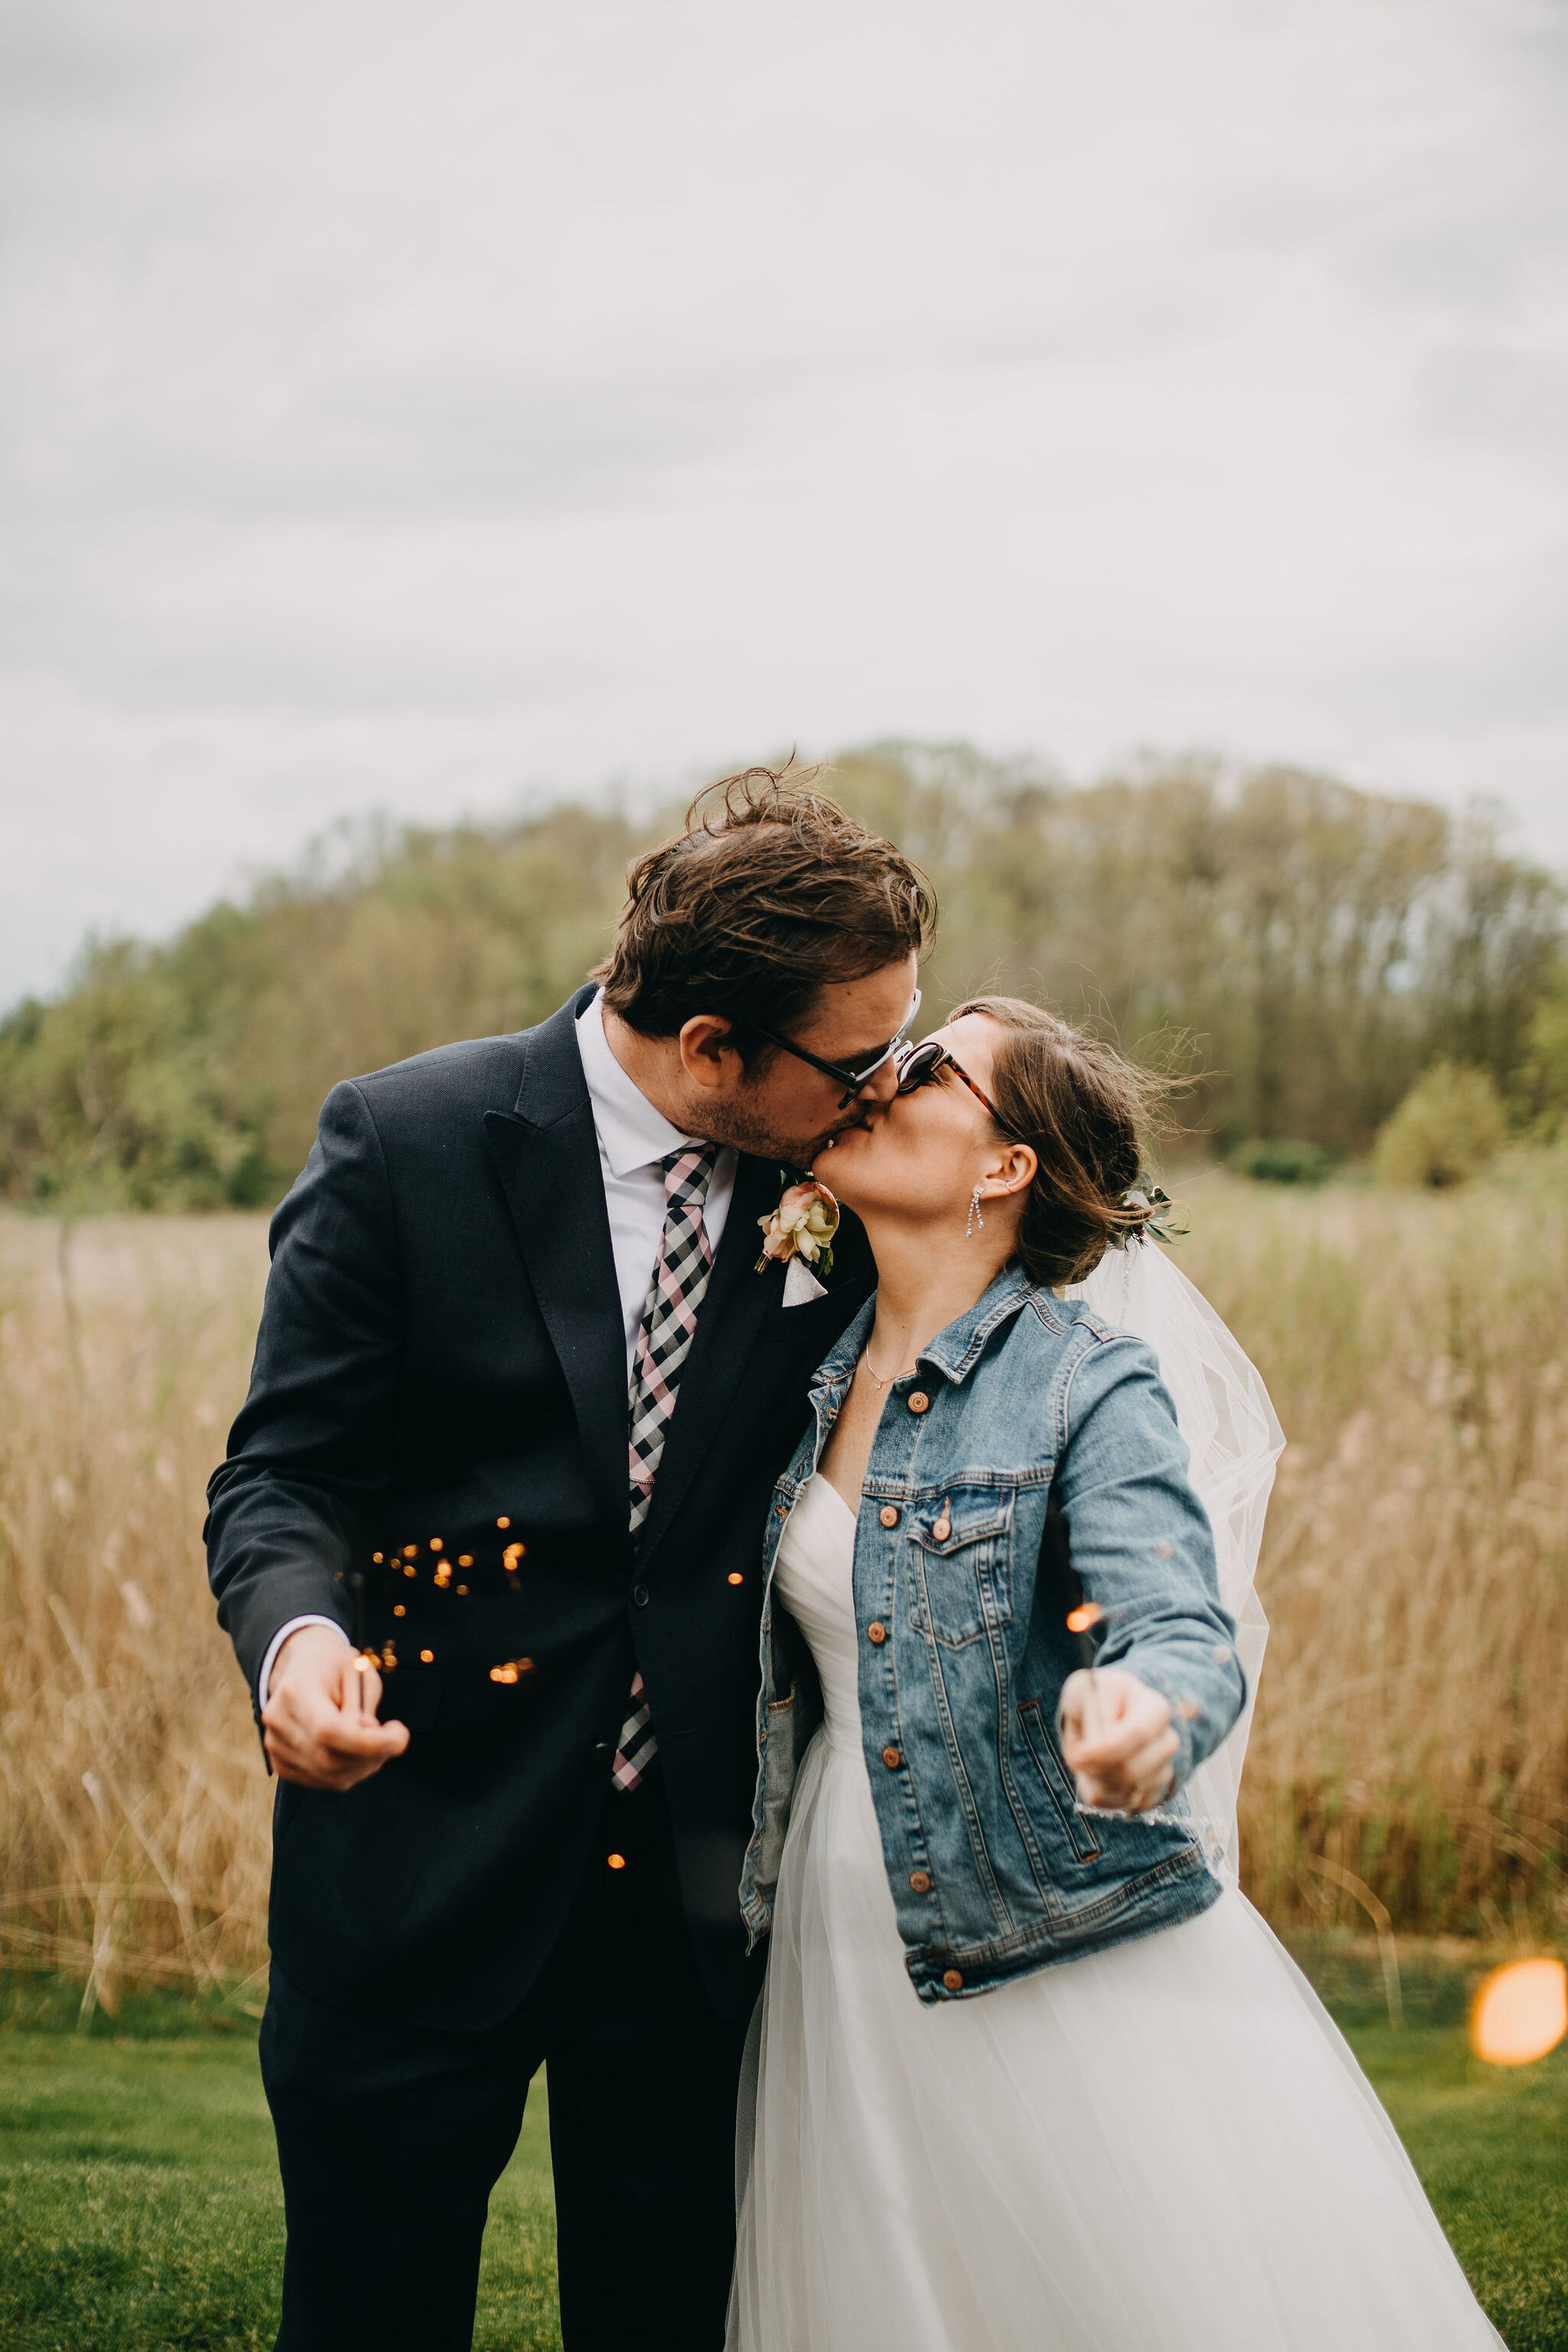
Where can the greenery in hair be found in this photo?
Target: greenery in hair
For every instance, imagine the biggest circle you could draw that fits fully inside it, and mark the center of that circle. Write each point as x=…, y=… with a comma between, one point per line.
x=1154, y=1216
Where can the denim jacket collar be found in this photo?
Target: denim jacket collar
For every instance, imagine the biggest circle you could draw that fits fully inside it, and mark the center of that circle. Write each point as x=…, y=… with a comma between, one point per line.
x=955, y=1351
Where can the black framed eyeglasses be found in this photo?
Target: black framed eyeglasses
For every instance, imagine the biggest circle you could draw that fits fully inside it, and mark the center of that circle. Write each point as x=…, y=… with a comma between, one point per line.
x=854, y=1080
x=921, y=1066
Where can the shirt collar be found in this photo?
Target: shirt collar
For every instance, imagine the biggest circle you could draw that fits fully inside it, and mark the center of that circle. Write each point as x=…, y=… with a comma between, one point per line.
x=632, y=1133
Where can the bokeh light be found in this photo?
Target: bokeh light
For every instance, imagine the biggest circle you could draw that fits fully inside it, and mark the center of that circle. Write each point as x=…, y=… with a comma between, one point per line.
x=1520, y=2012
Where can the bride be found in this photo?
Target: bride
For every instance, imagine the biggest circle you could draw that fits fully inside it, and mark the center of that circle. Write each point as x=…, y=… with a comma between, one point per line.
x=1032, y=2074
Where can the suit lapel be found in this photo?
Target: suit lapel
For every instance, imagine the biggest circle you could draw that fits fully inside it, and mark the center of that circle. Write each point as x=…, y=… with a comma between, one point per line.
x=727, y=1324
x=547, y=1156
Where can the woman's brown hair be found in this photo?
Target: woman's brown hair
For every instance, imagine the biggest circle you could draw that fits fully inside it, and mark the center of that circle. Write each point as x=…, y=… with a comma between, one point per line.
x=1090, y=1117
x=770, y=893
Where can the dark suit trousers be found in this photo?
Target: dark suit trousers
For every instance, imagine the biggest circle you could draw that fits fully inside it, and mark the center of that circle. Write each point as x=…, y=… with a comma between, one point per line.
x=391, y=2136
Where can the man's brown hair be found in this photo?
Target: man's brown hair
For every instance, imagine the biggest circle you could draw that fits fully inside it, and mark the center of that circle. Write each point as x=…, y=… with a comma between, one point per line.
x=771, y=893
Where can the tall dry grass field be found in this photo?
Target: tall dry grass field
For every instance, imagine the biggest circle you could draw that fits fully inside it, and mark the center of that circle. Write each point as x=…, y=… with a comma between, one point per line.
x=1411, y=1736
x=1413, y=1723
x=133, y=1801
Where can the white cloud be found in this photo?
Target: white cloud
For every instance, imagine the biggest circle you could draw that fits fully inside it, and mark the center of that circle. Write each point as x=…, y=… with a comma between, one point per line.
x=411, y=407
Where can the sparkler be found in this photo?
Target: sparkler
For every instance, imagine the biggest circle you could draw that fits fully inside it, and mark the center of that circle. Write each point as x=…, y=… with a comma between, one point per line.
x=361, y=1664
x=1082, y=1622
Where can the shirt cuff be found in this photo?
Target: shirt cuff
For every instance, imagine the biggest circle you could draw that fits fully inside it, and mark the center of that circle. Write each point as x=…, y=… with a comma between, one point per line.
x=264, y=1678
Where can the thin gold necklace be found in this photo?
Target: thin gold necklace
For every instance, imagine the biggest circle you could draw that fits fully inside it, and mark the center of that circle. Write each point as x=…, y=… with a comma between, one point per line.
x=875, y=1375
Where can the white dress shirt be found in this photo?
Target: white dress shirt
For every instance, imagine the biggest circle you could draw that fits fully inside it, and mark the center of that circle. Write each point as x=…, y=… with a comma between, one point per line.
x=633, y=1141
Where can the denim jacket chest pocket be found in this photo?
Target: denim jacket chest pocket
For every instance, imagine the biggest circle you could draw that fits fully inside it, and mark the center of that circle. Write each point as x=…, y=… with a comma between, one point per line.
x=959, y=1570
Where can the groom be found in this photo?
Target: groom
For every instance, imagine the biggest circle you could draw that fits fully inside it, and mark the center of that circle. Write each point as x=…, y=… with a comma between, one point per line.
x=517, y=1404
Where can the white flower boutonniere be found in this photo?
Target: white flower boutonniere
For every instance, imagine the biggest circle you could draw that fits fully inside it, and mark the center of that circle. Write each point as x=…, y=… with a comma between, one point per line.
x=799, y=1234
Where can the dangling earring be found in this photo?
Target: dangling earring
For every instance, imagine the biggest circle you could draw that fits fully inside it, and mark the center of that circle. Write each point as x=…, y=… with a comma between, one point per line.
x=975, y=1216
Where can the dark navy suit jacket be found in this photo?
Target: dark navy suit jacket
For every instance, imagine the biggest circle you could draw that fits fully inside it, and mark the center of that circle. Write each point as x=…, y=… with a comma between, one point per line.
x=438, y=1406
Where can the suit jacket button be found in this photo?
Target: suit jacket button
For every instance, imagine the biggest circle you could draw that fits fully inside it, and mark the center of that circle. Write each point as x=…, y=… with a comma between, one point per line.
x=920, y=1401
x=878, y=1633
x=953, y=1980
x=888, y=1515
x=891, y=1759
x=639, y=1595
x=921, y=1881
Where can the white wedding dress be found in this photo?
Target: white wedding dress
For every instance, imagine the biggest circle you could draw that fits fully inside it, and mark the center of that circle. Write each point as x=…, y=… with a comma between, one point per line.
x=1166, y=2143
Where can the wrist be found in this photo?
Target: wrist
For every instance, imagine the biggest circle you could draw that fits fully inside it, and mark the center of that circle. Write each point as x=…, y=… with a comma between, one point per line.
x=304, y=1650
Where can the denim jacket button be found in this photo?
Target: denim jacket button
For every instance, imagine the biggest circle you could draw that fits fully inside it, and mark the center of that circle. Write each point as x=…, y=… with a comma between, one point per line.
x=891, y=1759
x=952, y=1979
x=879, y=1634
x=921, y=1881
x=888, y=1515
x=920, y=1401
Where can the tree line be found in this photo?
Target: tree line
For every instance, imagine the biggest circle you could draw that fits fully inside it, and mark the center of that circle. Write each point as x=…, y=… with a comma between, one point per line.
x=1300, y=950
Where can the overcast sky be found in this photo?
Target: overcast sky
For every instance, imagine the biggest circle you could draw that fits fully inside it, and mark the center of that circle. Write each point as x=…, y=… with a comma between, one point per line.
x=421, y=407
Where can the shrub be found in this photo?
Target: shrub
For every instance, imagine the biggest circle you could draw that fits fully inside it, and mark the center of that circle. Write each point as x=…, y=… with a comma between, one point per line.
x=1274, y=1160
x=1544, y=1087
x=1449, y=1126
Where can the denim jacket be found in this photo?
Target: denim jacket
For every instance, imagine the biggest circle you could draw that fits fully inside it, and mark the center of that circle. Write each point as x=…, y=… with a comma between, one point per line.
x=1031, y=1459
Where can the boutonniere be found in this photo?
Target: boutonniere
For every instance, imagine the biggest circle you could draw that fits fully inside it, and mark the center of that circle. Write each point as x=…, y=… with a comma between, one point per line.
x=799, y=1234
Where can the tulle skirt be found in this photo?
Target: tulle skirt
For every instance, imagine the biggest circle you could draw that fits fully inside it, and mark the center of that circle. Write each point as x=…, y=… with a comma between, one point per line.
x=1167, y=2145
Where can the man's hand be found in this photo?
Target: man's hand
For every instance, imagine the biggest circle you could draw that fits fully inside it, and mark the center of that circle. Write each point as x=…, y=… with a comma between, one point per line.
x=319, y=1728
x=1117, y=1739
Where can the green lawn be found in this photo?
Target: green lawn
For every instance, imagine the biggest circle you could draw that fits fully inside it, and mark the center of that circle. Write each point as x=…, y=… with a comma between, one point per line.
x=1490, y=2143
x=140, y=2209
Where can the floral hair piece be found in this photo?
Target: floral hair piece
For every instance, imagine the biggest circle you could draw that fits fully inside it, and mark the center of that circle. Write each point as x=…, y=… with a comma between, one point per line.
x=1151, y=1215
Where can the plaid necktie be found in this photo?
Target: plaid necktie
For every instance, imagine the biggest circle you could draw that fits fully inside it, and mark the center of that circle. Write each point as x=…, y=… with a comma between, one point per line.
x=664, y=1341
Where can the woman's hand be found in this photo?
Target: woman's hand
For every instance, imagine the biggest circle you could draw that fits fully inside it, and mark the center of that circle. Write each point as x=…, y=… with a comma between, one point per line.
x=1118, y=1740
